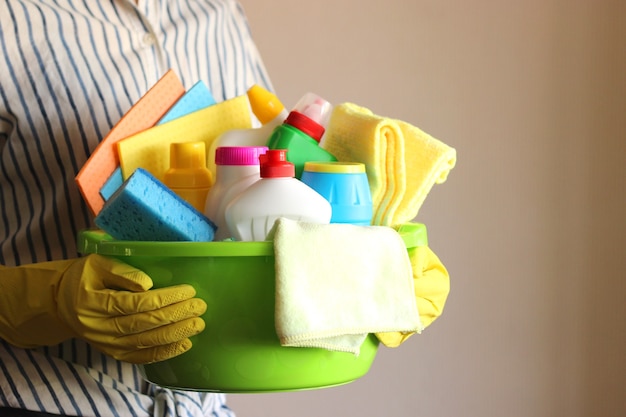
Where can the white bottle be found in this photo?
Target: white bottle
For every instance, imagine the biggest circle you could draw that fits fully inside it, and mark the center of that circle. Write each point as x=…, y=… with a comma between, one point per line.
x=251, y=215
x=236, y=169
x=269, y=111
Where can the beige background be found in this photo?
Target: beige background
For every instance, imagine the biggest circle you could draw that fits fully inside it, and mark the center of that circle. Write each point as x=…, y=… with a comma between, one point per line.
x=531, y=222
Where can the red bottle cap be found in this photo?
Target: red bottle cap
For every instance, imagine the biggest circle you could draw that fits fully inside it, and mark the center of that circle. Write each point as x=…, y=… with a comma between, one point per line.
x=274, y=164
x=305, y=124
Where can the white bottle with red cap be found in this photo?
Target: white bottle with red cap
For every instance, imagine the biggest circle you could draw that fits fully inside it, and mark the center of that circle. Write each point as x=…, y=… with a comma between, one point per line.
x=251, y=215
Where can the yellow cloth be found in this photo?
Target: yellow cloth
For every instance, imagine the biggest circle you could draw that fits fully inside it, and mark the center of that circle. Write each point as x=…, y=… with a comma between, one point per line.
x=403, y=163
x=103, y=301
x=150, y=149
x=431, y=282
x=336, y=283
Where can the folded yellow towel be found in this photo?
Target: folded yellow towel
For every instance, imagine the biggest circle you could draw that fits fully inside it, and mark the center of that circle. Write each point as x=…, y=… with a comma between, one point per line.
x=431, y=282
x=336, y=283
x=403, y=163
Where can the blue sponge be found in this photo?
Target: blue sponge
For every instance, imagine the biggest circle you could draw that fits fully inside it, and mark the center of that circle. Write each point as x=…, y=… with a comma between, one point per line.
x=112, y=184
x=144, y=209
x=198, y=97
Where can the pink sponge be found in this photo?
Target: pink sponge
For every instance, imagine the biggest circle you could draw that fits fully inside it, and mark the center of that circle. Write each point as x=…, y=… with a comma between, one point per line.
x=144, y=209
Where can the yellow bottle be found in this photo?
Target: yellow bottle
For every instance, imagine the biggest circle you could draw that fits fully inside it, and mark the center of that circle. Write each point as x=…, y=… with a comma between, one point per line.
x=188, y=175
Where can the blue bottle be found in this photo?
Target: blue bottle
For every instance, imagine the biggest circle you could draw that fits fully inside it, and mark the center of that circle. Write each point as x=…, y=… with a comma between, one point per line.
x=345, y=186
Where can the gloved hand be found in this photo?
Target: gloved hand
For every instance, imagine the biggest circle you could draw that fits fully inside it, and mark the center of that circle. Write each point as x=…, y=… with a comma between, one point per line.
x=101, y=300
x=432, y=286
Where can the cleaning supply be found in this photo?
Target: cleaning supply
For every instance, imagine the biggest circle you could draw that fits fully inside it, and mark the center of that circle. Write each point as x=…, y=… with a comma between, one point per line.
x=251, y=215
x=150, y=149
x=111, y=185
x=237, y=169
x=238, y=351
x=270, y=112
x=102, y=301
x=143, y=208
x=366, y=288
x=196, y=98
x=103, y=161
x=345, y=186
x=302, y=131
x=266, y=106
x=430, y=280
x=188, y=175
x=402, y=162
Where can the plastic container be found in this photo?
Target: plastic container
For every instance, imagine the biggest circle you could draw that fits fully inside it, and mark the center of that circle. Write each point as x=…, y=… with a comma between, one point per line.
x=345, y=186
x=251, y=215
x=302, y=131
x=270, y=112
x=238, y=351
x=188, y=175
x=236, y=169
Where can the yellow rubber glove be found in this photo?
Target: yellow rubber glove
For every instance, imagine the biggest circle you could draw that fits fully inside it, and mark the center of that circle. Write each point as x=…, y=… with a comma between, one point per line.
x=432, y=286
x=101, y=300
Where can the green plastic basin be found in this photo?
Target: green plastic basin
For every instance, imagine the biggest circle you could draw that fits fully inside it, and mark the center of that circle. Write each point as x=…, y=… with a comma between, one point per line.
x=238, y=351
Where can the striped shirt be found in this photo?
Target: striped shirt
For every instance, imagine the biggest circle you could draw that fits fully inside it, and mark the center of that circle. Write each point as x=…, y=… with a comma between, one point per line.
x=69, y=70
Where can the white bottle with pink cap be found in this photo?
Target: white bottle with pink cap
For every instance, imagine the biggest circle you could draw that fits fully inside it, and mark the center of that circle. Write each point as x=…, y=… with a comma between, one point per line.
x=237, y=167
x=251, y=215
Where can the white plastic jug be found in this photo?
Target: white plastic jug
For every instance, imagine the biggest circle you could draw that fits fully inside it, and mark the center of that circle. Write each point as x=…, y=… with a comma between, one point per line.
x=252, y=214
x=236, y=169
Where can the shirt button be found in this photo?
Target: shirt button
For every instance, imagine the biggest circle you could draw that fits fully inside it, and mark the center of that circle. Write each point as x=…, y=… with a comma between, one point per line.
x=149, y=39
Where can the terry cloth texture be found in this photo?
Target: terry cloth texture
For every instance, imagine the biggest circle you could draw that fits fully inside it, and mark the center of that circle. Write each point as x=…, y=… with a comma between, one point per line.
x=336, y=283
x=403, y=163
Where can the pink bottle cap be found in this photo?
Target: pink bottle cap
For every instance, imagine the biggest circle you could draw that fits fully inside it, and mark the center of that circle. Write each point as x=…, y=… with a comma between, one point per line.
x=239, y=155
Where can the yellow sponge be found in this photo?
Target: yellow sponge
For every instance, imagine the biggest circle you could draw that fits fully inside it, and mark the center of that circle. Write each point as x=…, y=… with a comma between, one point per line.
x=150, y=149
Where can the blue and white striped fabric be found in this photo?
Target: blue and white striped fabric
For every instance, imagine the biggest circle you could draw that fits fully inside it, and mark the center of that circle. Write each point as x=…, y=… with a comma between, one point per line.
x=69, y=70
